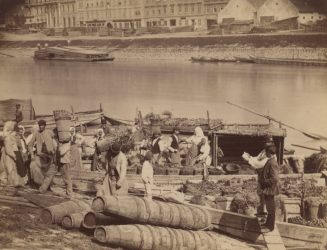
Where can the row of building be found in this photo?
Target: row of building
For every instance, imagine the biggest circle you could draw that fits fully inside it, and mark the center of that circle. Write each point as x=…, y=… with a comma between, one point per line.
x=135, y=14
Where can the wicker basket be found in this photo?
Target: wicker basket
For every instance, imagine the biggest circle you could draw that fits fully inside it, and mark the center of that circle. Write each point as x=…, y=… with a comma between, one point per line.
x=198, y=171
x=172, y=171
x=131, y=171
x=214, y=171
x=159, y=171
x=187, y=171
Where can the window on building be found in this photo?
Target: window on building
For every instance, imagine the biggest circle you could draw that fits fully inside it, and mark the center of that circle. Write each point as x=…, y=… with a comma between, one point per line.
x=276, y=3
x=304, y=17
x=159, y=11
x=186, y=7
x=311, y=17
x=192, y=8
x=172, y=9
x=215, y=10
x=179, y=8
x=165, y=10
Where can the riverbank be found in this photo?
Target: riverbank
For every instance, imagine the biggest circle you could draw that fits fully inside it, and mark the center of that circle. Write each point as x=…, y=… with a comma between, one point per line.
x=304, y=46
x=184, y=53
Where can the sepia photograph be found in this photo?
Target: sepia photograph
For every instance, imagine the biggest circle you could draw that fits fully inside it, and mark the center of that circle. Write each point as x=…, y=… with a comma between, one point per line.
x=163, y=124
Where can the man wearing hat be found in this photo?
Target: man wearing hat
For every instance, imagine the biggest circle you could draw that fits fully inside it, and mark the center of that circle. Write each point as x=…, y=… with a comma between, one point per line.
x=115, y=182
x=157, y=147
x=268, y=181
x=42, y=159
x=174, y=155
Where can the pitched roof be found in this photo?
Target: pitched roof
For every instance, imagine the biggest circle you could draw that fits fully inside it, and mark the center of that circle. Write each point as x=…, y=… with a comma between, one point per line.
x=310, y=6
x=256, y=3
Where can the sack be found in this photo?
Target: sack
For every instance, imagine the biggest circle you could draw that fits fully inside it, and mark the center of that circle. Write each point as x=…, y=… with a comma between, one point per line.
x=20, y=164
x=25, y=157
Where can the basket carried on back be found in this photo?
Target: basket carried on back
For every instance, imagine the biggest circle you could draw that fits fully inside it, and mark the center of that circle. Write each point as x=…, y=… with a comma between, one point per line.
x=63, y=123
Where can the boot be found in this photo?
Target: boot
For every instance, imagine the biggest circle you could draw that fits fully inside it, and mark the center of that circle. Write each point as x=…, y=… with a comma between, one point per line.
x=270, y=223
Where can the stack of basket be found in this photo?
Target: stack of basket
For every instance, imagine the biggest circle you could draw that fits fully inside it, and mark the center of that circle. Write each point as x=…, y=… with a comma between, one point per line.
x=63, y=122
x=138, y=223
x=152, y=224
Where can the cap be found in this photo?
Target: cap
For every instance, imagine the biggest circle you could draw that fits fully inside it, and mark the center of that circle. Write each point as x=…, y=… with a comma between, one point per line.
x=115, y=148
x=42, y=123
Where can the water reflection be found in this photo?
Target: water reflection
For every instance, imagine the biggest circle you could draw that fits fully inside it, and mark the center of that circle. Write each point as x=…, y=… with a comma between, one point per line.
x=296, y=95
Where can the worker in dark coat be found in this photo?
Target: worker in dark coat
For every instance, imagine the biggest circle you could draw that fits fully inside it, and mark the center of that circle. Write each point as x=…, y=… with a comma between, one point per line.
x=268, y=182
x=19, y=113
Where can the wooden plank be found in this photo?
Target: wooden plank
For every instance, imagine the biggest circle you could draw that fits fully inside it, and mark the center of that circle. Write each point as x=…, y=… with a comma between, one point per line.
x=295, y=235
x=256, y=238
x=273, y=240
x=18, y=203
x=42, y=200
x=248, y=228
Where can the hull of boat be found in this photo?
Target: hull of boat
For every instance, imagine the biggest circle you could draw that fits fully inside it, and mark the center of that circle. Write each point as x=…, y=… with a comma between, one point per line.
x=265, y=60
x=210, y=60
x=71, y=54
x=75, y=59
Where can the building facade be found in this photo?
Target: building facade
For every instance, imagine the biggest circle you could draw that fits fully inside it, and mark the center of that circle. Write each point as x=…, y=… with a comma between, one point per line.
x=173, y=13
x=240, y=10
x=305, y=11
x=211, y=10
x=35, y=13
x=123, y=14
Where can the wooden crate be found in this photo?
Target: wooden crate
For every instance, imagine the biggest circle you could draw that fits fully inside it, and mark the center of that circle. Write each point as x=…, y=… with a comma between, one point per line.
x=187, y=171
x=291, y=207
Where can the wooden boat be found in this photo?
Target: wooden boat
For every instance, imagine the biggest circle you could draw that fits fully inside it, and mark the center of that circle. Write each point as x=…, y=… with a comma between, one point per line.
x=71, y=54
x=247, y=228
x=244, y=59
x=203, y=59
x=287, y=61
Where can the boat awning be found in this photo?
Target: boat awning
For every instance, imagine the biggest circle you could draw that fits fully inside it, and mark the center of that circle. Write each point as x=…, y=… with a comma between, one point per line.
x=116, y=122
x=251, y=130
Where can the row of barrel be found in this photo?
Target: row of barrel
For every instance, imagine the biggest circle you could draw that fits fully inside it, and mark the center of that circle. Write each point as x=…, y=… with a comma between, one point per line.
x=137, y=223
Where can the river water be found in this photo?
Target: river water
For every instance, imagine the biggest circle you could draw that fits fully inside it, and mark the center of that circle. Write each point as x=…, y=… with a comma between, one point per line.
x=296, y=95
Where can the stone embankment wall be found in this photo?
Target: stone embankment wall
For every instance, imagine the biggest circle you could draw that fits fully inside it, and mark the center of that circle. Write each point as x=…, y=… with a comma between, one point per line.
x=304, y=46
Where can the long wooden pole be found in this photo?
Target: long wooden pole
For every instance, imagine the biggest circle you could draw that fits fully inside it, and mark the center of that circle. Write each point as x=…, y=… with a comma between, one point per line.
x=300, y=146
x=311, y=135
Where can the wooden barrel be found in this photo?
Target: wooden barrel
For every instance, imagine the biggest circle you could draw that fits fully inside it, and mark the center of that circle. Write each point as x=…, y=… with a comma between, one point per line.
x=150, y=238
x=63, y=123
x=92, y=220
x=153, y=212
x=74, y=220
x=55, y=214
x=155, y=126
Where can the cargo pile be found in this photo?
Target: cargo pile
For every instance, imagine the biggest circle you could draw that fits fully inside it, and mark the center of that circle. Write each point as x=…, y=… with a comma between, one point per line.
x=121, y=134
x=186, y=122
x=137, y=223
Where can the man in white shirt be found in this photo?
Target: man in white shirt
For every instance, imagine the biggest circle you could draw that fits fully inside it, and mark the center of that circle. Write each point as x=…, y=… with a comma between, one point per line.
x=147, y=175
x=204, y=157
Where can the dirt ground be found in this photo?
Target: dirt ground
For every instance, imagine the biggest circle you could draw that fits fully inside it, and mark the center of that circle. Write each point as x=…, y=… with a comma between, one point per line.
x=21, y=228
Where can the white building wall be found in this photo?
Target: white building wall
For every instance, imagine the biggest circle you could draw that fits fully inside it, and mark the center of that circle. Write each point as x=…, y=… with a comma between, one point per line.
x=309, y=18
x=237, y=9
x=280, y=9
